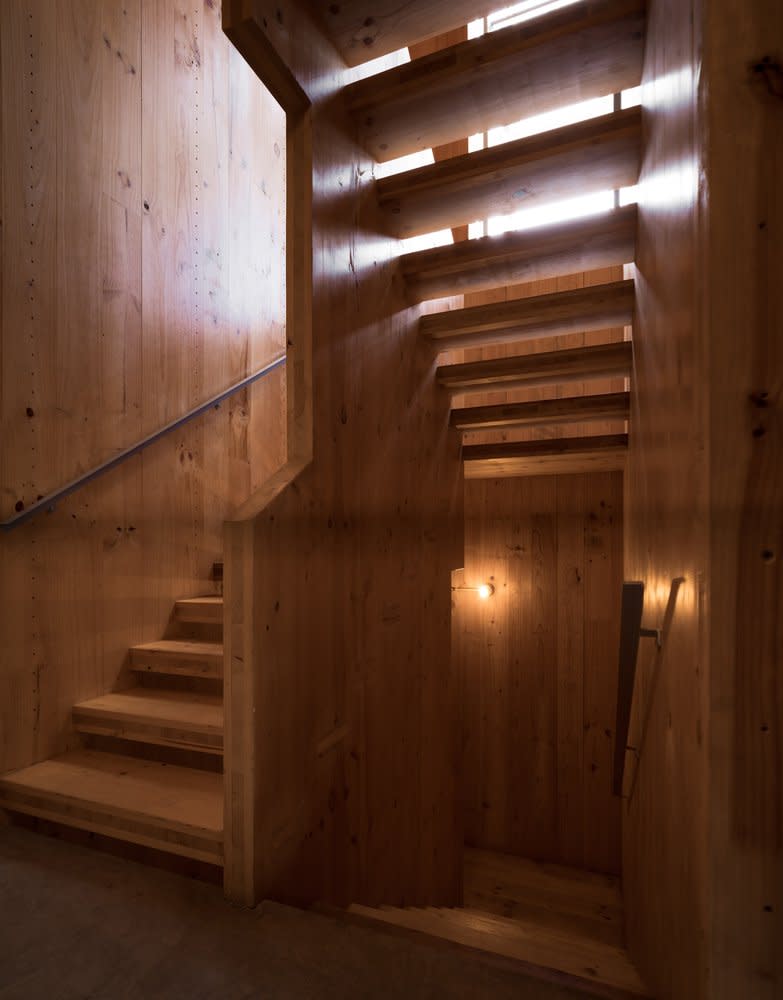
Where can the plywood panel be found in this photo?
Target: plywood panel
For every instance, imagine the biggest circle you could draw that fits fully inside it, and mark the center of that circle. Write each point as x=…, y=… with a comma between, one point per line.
x=145, y=287
x=538, y=664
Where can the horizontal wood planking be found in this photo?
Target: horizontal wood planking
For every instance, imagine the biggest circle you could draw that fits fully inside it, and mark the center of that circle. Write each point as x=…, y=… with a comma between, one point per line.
x=601, y=154
x=170, y=808
x=181, y=657
x=578, y=310
x=606, y=406
x=545, y=252
x=147, y=715
x=602, y=453
x=552, y=367
x=561, y=58
x=361, y=35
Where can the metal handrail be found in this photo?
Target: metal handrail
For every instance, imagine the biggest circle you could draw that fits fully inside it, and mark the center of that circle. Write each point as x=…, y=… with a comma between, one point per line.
x=49, y=502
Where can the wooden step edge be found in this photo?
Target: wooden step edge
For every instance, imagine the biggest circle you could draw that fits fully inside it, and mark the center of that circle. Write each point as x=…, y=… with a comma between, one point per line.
x=564, y=248
x=200, y=844
x=177, y=659
x=557, y=456
x=579, y=310
x=571, y=409
x=390, y=921
x=137, y=728
x=200, y=610
x=528, y=370
x=599, y=154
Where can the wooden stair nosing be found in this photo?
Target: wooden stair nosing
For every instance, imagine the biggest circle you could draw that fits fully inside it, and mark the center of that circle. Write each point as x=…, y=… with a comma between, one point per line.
x=572, y=409
x=531, y=449
x=181, y=657
x=392, y=26
x=550, y=251
x=206, y=610
x=578, y=310
x=186, y=720
x=595, y=155
x=529, y=370
x=105, y=793
x=525, y=69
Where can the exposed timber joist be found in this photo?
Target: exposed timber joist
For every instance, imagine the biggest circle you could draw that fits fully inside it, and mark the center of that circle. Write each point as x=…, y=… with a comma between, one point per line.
x=527, y=255
x=527, y=370
x=597, y=155
x=561, y=58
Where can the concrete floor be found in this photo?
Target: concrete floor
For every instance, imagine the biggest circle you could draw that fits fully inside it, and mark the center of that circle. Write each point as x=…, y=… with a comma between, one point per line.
x=78, y=923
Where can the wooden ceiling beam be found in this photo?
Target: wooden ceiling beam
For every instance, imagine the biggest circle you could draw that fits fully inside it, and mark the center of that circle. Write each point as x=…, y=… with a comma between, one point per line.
x=597, y=155
x=598, y=307
x=529, y=370
x=561, y=58
x=602, y=453
x=574, y=409
x=527, y=255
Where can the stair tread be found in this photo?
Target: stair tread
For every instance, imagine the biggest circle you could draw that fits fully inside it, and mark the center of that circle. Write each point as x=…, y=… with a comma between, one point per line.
x=186, y=647
x=206, y=610
x=177, y=708
x=522, y=70
x=599, y=154
x=580, y=363
x=581, y=958
x=566, y=455
x=210, y=600
x=570, y=409
x=550, y=251
x=578, y=310
x=137, y=790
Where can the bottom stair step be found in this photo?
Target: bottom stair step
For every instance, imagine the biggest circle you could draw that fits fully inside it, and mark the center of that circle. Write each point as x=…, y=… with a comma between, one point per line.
x=168, y=718
x=602, y=969
x=173, y=809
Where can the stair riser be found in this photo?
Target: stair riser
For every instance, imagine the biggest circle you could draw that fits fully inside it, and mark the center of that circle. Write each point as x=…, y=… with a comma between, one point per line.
x=561, y=378
x=151, y=734
x=179, y=668
x=109, y=825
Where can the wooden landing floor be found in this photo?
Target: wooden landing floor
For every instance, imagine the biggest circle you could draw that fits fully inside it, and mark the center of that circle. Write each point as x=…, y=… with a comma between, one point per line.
x=564, y=924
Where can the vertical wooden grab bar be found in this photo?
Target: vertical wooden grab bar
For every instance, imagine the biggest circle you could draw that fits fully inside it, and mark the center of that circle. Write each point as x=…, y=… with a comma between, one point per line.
x=630, y=631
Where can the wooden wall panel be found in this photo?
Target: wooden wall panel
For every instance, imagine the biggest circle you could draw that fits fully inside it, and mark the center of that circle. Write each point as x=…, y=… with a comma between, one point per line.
x=665, y=817
x=539, y=661
x=142, y=206
x=356, y=733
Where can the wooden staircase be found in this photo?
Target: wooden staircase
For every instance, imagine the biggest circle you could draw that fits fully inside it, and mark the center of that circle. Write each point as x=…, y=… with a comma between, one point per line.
x=150, y=770
x=543, y=406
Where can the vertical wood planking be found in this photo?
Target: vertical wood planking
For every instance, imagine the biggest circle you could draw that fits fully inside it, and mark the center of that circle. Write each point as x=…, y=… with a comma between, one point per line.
x=538, y=661
x=115, y=151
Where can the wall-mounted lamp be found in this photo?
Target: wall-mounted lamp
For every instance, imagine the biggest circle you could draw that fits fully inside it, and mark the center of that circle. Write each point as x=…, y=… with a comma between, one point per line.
x=484, y=590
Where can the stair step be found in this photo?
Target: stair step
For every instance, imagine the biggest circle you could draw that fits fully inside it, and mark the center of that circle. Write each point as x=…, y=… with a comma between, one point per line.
x=178, y=656
x=561, y=58
x=173, y=809
x=393, y=25
x=148, y=715
x=573, y=409
x=200, y=610
x=528, y=255
x=599, y=307
x=601, y=154
x=528, y=370
x=599, y=453
x=576, y=961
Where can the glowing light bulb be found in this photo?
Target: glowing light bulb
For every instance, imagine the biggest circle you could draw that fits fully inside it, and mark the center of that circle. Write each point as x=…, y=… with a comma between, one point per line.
x=485, y=590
